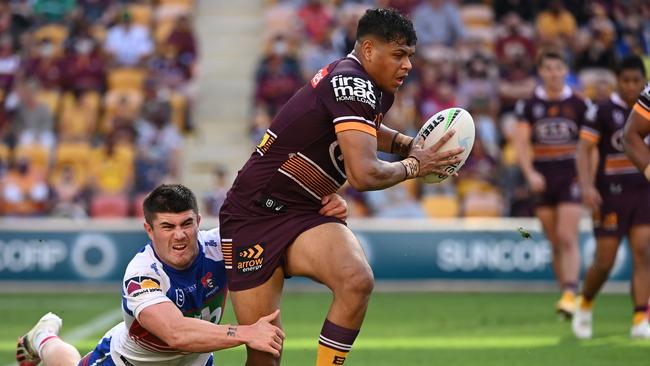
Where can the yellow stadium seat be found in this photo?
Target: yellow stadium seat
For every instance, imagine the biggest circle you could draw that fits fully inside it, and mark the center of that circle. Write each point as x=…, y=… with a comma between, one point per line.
x=189, y=3
x=163, y=30
x=441, y=206
x=56, y=33
x=127, y=101
x=166, y=12
x=140, y=13
x=51, y=99
x=37, y=155
x=75, y=155
x=126, y=78
x=5, y=153
x=179, y=110
x=483, y=204
x=79, y=117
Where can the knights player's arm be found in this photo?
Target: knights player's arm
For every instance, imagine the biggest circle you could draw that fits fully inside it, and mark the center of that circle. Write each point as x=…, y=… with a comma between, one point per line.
x=637, y=128
x=394, y=142
x=166, y=322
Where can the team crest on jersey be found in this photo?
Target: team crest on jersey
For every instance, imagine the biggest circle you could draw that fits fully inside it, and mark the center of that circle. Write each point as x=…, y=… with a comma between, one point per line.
x=353, y=89
x=618, y=117
x=207, y=281
x=538, y=110
x=136, y=286
x=251, y=258
x=180, y=297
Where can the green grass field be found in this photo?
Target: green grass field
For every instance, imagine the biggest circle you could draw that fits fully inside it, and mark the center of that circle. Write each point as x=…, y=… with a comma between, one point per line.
x=400, y=329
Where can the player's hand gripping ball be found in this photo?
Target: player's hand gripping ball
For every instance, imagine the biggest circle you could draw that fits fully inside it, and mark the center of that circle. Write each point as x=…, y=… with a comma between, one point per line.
x=433, y=129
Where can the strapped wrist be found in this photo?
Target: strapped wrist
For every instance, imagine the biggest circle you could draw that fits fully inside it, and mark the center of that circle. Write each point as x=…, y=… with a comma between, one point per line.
x=411, y=167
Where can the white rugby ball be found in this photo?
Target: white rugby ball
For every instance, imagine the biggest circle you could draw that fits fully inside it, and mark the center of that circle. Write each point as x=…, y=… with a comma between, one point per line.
x=435, y=127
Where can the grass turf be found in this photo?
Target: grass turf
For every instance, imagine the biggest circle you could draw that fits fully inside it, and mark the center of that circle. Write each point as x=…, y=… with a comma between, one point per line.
x=400, y=329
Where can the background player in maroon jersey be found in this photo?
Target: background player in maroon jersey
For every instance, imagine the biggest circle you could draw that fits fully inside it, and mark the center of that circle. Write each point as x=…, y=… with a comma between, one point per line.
x=549, y=121
x=327, y=133
x=637, y=129
x=619, y=198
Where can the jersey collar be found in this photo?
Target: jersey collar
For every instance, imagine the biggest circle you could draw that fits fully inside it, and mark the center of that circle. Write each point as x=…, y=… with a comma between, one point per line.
x=352, y=56
x=616, y=99
x=540, y=93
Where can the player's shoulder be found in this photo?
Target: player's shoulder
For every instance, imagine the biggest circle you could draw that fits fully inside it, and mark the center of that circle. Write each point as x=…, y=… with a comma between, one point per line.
x=210, y=241
x=145, y=270
x=644, y=97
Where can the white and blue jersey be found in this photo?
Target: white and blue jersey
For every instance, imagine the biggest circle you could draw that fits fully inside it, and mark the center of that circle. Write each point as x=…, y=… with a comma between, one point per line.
x=198, y=291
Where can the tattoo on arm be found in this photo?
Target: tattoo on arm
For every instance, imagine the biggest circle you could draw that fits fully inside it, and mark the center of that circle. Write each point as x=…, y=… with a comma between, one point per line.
x=401, y=145
x=232, y=331
x=411, y=167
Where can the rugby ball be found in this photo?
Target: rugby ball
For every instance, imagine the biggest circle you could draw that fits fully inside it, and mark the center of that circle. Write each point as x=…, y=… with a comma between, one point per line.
x=435, y=127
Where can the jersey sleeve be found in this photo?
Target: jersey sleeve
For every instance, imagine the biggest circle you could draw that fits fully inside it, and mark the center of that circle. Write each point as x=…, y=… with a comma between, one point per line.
x=522, y=111
x=351, y=100
x=143, y=286
x=642, y=105
x=590, y=129
x=212, y=244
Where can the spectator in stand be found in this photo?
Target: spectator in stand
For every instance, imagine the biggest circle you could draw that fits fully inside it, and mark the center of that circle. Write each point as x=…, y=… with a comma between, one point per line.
x=516, y=82
x=278, y=77
x=525, y=9
x=9, y=64
x=24, y=191
x=12, y=22
x=84, y=65
x=33, y=122
x=393, y=202
x=158, y=148
x=96, y=11
x=183, y=41
x=214, y=198
x=69, y=200
x=111, y=168
x=514, y=42
x=345, y=34
x=317, y=20
x=128, y=44
x=315, y=56
x=438, y=22
x=45, y=65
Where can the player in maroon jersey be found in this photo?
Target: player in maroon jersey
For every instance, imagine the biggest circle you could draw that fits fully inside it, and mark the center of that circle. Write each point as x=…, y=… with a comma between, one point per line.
x=327, y=133
x=637, y=129
x=619, y=197
x=549, y=125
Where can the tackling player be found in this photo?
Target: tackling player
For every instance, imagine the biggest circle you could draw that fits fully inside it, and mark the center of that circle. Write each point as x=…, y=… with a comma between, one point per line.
x=619, y=198
x=327, y=133
x=637, y=129
x=172, y=300
x=549, y=121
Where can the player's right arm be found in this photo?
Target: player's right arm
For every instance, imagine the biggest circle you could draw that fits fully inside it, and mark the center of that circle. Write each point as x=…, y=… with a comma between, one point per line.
x=166, y=322
x=637, y=128
x=523, y=135
x=587, y=159
x=366, y=172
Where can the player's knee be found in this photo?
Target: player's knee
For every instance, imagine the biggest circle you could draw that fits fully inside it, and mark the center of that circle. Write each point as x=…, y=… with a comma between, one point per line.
x=641, y=254
x=604, y=264
x=566, y=241
x=359, y=281
x=258, y=358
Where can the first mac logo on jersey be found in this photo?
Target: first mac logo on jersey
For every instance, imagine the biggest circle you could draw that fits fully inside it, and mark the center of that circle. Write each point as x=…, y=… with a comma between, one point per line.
x=349, y=88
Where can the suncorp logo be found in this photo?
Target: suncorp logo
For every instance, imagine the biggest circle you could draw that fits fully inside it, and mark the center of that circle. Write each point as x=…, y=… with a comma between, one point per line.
x=349, y=88
x=98, y=267
x=493, y=255
x=18, y=255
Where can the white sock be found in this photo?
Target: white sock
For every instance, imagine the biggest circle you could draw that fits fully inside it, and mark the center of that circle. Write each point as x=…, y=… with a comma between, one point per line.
x=41, y=338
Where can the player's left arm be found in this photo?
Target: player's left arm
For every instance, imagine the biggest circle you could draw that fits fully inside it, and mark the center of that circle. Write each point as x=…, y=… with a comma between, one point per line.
x=394, y=142
x=637, y=128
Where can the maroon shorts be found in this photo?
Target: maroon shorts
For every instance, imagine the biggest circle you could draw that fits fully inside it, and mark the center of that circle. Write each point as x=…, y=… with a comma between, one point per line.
x=254, y=245
x=560, y=188
x=620, y=212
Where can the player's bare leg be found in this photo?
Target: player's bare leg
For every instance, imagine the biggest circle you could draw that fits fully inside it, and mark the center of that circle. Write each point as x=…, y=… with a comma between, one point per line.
x=330, y=254
x=640, y=244
x=546, y=215
x=42, y=344
x=568, y=219
x=597, y=274
x=252, y=304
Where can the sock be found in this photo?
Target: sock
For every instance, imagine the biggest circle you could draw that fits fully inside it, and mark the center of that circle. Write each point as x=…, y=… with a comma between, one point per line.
x=640, y=314
x=41, y=338
x=334, y=344
x=570, y=287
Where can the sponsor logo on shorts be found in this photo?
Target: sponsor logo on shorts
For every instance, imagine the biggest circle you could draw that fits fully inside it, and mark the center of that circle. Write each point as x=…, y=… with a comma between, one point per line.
x=353, y=89
x=610, y=222
x=251, y=259
x=136, y=286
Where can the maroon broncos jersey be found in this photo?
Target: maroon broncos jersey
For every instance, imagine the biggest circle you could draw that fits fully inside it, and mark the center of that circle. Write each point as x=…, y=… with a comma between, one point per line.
x=604, y=126
x=299, y=160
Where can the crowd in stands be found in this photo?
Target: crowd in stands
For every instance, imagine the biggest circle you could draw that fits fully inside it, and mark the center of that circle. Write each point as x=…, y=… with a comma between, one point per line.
x=478, y=55
x=95, y=97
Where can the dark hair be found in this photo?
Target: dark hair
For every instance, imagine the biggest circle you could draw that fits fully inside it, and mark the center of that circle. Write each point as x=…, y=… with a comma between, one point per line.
x=551, y=54
x=632, y=62
x=387, y=24
x=173, y=198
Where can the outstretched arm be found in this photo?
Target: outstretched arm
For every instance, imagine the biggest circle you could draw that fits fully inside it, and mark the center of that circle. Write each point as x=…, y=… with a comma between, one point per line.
x=166, y=322
x=637, y=128
x=394, y=142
